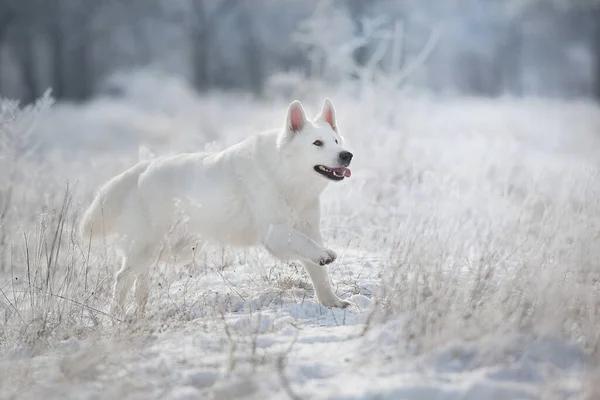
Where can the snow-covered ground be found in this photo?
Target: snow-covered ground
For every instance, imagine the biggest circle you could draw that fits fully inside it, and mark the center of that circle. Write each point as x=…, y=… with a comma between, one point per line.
x=467, y=242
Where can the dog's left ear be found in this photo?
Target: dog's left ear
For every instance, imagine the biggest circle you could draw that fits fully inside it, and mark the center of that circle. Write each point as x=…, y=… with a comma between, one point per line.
x=328, y=114
x=296, y=118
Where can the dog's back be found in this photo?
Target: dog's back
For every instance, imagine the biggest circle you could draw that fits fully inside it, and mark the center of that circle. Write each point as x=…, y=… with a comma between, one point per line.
x=202, y=189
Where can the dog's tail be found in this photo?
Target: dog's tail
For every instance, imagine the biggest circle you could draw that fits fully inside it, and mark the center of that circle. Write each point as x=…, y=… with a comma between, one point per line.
x=100, y=219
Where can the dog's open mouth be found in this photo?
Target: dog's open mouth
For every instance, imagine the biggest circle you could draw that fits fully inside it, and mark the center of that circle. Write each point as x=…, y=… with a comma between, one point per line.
x=336, y=174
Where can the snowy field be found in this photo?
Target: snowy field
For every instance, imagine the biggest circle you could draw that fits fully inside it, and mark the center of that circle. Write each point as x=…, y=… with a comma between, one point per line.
x=467, y=239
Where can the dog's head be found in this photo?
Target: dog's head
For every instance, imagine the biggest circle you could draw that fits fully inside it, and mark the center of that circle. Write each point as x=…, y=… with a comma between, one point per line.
x=315, y=147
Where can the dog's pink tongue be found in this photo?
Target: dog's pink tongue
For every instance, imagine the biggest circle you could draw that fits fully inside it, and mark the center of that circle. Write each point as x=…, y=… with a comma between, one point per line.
x=343, y=170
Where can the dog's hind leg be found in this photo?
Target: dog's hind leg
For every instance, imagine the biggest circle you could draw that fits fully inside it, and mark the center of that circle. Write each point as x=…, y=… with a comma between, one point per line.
x=135, y=268
x=141, y=292
x=123, y=281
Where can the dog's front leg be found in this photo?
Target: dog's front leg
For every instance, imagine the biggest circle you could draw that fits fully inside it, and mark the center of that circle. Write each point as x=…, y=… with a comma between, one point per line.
x=304, y=244
x=320, y=280
x=285, y=243
x=320, y=276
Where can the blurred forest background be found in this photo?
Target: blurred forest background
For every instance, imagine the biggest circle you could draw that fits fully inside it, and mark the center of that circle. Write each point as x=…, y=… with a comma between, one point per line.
x=468, y=47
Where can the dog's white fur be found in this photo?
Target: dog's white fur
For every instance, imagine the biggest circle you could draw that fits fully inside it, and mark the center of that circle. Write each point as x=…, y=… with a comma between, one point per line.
x=263, y=190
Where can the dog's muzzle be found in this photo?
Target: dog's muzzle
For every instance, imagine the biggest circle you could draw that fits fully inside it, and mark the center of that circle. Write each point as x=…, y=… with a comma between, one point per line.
x=345, y=158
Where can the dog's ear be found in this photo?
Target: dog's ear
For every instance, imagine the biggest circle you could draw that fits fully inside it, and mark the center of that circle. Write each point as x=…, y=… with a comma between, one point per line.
x=328, y=114
x=296, y=118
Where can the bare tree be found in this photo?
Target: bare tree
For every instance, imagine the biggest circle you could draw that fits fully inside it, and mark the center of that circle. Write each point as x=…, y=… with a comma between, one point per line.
x=596, y=47
x=251, y=49
x=55, y=29
x=22, y=36
x=76, y=17
x=359, y=10
x=64, y=27
x=202, y=30
x=7, y=15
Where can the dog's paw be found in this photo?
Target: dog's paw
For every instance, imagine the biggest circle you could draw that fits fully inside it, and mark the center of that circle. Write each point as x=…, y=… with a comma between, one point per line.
x=327, y=257
x=336, y=302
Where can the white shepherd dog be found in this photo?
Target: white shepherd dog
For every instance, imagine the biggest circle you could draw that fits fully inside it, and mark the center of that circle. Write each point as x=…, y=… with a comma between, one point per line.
x=264, y=190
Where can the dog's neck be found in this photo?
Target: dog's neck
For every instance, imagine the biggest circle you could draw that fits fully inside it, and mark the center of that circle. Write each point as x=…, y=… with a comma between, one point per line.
x=302, y=192
x=298, y=189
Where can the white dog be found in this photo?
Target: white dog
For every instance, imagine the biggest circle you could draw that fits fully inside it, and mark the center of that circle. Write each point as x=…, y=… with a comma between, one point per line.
x=264, y=190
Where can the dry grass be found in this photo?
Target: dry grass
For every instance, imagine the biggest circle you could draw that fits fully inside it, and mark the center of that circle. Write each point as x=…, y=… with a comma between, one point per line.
x=55, y=292
x=487, y=218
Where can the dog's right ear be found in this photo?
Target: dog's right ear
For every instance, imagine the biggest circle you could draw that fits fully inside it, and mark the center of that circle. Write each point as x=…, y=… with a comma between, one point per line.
x=328, y=114
x=296, y=118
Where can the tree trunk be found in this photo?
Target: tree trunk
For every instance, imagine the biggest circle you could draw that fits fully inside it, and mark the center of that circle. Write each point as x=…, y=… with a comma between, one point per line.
x=57, y=46
x=79, y=77
x=201, y=34
x=56, y=38
x=511, y=55
x=81, y=68
x=200, y=47
x=7, y=14
x=200, y=58
x=596, y=49
x=252, y=53
x=358, y=11
x=25, y=50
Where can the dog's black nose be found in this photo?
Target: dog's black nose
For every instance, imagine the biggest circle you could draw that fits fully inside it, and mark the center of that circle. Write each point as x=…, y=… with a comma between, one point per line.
x=345, y=157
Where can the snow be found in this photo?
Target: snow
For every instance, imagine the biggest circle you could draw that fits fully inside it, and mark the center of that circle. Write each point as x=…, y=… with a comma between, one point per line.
x=327, y=354
x=466, y=246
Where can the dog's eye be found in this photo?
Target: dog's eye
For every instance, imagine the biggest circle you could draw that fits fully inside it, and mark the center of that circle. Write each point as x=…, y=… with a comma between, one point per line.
x=318, y=143
x=336, y=142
